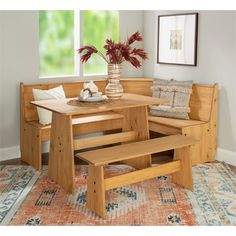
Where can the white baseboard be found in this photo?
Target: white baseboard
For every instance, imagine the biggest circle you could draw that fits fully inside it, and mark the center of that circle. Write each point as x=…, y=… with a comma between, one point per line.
x=9, y=153
x=227, y=156
x=14, y=152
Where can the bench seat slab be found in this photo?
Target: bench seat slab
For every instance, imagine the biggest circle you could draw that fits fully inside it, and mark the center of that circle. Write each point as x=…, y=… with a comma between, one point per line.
x=136, y=149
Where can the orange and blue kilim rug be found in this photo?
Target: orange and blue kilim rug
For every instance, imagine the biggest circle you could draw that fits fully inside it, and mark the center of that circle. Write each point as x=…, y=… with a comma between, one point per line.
x=153, y=202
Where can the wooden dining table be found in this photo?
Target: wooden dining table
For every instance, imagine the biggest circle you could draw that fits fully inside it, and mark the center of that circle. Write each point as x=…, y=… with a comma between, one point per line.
x=134, y=109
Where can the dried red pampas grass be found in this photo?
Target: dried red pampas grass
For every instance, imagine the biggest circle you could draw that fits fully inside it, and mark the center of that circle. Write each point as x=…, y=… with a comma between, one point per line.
x=116, y=53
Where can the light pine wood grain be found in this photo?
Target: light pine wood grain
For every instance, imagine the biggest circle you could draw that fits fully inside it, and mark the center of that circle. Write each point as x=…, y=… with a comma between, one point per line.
x=180, y=167
x=135, y=149
x=184, y=176
x=104, y=140
x=61, y=157
x=137, y=119
x=201, y=133
x=141, y=175
x=203, y=105
x=85, y=124
x=213, y=126
x=176, y=123
x=163, y=129
x=202, y=124
x=128, y=100
x=72, y=89
x=96, y=190
x=31, y=146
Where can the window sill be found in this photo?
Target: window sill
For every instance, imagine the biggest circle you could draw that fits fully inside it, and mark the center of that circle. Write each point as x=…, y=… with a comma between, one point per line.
x=74, y=77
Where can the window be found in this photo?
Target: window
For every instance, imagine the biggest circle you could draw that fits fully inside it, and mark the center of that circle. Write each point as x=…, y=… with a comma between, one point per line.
x=97, y=27
x=56, y=43
x=59, y=38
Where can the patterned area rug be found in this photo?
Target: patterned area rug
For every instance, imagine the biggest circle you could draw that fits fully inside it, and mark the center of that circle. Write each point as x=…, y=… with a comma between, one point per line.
x=15, y=184
x=154, y=202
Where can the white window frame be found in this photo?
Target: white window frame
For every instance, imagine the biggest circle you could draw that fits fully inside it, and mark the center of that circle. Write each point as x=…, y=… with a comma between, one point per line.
x=78, y=66
x=77, y=42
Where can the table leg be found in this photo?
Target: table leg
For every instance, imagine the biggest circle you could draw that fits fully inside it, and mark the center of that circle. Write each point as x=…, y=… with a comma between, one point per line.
x=136, y=118
x=61, y=158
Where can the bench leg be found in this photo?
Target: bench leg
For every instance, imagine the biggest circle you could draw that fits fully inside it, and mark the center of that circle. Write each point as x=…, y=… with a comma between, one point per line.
x=30, y=146
x=137, y=119
x=96, y=190
x=201, y=133
x=184, y=176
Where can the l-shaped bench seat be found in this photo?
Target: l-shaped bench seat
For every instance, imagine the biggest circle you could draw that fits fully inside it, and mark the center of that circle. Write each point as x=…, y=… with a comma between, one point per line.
x=202, y=124
x=193, y=128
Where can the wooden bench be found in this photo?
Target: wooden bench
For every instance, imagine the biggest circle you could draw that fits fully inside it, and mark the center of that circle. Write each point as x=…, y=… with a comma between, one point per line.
x=203, y=117
x=180, y=167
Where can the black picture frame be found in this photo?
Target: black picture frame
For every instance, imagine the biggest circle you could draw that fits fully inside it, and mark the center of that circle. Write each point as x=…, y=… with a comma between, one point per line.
x=178, y=39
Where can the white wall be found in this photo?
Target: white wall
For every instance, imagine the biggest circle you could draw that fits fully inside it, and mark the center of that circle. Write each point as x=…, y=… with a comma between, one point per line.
x=216, y=63
x=130, y=22
x=19, y=42
x=19, y=62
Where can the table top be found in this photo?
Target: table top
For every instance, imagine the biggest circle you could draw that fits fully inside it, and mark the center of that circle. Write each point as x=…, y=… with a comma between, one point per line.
x=128, y=100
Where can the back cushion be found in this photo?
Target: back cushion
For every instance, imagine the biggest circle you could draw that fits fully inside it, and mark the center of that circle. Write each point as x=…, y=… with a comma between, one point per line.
x=201, y=101
x=178, y=95
x=45, y=116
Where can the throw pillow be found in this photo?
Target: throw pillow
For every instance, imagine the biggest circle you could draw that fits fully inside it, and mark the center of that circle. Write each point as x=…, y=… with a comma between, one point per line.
x=178, y=95
x=45, y=116
x=171, y=112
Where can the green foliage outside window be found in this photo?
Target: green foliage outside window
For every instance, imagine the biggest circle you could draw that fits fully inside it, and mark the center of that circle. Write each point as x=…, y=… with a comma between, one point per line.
x=56, y=40
x=97, y=27
x=56, y=43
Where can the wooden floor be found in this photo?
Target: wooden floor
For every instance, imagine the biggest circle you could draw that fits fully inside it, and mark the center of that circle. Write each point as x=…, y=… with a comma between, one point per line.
x=156, y=160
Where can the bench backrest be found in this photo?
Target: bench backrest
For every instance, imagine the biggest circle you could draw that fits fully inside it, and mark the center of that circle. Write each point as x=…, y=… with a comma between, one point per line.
x=72, y=89
x=201, y=101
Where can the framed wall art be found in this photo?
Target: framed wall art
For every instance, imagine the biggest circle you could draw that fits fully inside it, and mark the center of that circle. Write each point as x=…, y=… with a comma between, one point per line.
x=177, y=39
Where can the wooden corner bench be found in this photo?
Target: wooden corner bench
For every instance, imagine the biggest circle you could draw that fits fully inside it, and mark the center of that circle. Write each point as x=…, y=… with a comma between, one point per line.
x=202, y=125
x=180, y=167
